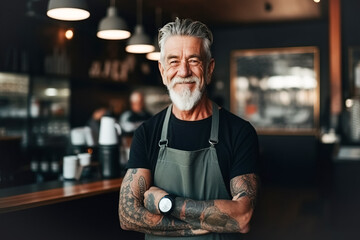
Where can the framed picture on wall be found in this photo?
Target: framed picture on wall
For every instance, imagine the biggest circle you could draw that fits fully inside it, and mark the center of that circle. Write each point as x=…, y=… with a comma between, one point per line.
x=276, y=89
x=354, y=71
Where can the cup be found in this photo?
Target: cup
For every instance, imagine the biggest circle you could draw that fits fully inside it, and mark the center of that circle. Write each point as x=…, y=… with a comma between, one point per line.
x=70, y=167
x=83, y=169
x=109, y=131
x=77, y=136
x=84, y=158
x=81, y=136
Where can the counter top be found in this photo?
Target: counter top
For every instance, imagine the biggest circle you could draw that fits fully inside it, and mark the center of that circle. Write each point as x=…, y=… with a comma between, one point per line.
x=39, y=195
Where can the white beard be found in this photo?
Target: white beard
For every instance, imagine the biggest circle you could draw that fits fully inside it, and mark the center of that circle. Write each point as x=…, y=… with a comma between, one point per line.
x=186, y=99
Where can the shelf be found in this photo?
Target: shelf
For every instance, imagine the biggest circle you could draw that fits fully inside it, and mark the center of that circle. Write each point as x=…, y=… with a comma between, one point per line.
x=50, y=118
x=5, y=119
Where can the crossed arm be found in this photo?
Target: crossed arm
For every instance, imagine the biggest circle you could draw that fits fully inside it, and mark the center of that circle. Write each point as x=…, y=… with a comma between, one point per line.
x=138, y=208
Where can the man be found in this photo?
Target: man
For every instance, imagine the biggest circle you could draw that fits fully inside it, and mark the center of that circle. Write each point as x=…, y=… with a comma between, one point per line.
x=192, y=166
x=131, y=119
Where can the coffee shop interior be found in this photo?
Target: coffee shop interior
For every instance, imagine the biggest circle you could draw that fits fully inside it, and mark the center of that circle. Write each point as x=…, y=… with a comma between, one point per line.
x=290, y=67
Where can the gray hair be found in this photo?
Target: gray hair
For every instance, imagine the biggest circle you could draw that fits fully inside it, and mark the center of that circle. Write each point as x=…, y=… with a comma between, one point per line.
x=186, y=27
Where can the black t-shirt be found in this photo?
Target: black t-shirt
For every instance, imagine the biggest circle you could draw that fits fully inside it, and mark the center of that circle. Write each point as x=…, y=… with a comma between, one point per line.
x=237, y=149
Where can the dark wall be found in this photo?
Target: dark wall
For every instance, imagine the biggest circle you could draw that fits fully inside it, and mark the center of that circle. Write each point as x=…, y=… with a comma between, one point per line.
x=292, y=34
x=350, y=37
x=290, y=157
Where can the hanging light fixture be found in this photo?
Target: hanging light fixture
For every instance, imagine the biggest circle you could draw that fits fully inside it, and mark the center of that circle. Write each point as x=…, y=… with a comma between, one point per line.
x=139, y=41
x=155, y=55
x=68, y=10
x=112, y=27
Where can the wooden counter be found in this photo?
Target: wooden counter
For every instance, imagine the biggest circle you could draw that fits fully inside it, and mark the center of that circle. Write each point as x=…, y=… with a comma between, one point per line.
x=66, y=191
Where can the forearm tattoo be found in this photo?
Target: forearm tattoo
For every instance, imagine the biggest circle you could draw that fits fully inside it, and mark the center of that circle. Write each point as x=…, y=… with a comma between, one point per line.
x=133, y=215
x=142, y=186
x=205, y=215
x=189, y=218
x=245, y=185
x=150, y=203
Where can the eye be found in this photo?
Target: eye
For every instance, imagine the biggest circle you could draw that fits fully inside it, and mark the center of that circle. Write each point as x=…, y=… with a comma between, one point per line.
x=194, y=61
x=174, y=62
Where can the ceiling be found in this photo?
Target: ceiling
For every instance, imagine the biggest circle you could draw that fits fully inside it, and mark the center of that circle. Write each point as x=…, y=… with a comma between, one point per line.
x=241, y=11
x=212, y=12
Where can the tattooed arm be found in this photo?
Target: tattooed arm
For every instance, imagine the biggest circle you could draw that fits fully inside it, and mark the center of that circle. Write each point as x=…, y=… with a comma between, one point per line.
x=214, y=215
x=134, y=216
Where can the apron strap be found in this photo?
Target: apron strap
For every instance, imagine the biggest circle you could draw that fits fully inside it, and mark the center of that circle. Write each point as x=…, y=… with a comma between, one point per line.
x=163, y=140
x=214, y=126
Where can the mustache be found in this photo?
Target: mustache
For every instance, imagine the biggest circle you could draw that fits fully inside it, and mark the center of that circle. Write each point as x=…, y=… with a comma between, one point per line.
x=177, y=80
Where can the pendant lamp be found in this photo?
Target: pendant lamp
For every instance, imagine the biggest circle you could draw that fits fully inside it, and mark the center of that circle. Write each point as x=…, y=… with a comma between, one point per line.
x=68, y=10
x=155, y=55
x=139, y=41
x=112, y=27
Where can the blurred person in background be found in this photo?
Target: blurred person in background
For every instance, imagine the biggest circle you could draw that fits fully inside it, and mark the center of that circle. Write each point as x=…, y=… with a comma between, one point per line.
x=131, y=119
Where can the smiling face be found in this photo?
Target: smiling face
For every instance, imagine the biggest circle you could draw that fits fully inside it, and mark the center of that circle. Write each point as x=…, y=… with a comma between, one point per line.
x=184, y=70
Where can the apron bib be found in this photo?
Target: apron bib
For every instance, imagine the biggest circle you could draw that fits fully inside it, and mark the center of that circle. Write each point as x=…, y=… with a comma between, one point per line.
x=191, y=174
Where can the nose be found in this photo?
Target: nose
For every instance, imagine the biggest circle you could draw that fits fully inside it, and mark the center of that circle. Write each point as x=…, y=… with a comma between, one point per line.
x=184, y=69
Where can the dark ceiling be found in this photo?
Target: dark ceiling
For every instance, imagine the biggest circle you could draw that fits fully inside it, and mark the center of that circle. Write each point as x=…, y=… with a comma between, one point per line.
x=240, y=11
x=212, y=12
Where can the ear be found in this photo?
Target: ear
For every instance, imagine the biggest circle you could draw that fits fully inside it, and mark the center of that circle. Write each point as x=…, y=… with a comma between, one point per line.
x=210, y=70
x=161, y=70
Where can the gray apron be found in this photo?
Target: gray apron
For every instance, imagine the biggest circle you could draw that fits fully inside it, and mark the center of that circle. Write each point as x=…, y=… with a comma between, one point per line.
x=191, y=174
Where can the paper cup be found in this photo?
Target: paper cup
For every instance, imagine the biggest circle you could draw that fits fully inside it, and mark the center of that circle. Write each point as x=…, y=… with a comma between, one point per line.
x=70, y=165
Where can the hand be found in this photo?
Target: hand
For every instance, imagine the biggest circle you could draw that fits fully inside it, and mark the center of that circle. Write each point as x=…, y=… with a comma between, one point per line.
x=152, y=197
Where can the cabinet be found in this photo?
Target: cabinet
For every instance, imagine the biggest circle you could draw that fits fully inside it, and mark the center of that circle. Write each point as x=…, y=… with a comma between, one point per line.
x=34, y=109
x=14, y=92
x=49, y=126
x=49, y=111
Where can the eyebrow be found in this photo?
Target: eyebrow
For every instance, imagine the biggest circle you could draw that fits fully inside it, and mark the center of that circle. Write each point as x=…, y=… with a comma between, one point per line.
x=191, y=56
x=171, y=57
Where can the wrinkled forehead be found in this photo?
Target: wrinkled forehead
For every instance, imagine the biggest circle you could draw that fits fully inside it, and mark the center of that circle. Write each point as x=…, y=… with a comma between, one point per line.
x=182, y=45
